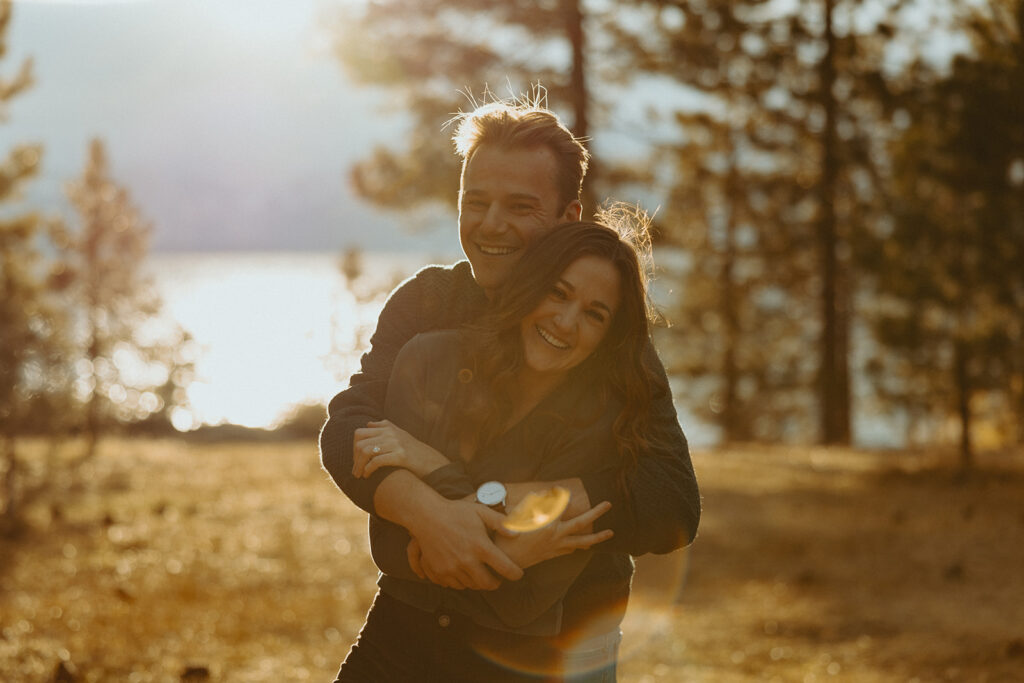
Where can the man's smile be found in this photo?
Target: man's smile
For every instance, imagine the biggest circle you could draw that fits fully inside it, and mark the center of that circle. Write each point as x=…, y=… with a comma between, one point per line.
x=492, y=250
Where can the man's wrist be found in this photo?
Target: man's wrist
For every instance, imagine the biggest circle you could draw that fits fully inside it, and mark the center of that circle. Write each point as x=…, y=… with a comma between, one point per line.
x=403, y=499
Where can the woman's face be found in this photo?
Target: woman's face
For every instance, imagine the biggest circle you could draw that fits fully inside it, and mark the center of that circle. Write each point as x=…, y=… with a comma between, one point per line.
x=573, y=317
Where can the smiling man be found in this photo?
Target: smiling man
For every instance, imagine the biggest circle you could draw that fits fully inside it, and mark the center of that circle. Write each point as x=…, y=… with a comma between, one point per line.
x=508, y=197
x=521, y=176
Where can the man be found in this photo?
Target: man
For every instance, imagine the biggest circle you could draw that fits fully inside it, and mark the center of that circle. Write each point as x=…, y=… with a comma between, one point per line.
x=522, y=174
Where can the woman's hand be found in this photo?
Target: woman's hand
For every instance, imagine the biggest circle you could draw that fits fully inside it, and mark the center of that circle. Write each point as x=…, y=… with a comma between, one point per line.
x=382, y=444
x=558, y=538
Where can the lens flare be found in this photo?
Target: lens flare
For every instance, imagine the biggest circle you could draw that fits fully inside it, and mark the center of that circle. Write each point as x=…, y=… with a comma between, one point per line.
x=537, y=509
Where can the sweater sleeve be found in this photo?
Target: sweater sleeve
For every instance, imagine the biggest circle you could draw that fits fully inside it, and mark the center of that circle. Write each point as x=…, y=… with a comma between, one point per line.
x=363, y=401
x=661, y=508
x=388, y=548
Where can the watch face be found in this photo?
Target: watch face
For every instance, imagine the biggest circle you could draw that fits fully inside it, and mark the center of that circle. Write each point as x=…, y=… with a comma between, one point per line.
x=491, y=493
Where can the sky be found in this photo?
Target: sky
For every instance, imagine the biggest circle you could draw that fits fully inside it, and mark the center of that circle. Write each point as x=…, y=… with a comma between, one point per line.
x=228, y=121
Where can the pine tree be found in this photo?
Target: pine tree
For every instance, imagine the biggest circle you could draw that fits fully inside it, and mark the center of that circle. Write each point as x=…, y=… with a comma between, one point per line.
x=773, y=185
x=30, y=329
x=950, y=273
x=436, y=57
x=104, y=261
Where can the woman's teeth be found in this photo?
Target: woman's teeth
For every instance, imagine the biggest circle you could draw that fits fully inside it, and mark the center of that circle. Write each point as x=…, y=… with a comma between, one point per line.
x=551, y=339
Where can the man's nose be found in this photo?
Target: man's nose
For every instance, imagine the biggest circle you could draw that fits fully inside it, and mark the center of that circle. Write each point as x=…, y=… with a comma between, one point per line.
x=494, y=220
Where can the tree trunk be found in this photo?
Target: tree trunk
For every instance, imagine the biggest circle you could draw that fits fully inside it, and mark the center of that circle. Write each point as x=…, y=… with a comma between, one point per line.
x=9, y=519
x=834, y=369
x=578, y=94
x=92, y=408
x=963, y=390
x=1017, y=386
x=731, y=420
x=92, y=426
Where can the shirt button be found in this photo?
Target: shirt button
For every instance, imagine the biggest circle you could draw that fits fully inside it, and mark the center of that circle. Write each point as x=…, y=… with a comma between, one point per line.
x=444, y=620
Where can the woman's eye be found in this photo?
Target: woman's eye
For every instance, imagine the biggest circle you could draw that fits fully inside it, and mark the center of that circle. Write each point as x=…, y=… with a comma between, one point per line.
x=596, y=315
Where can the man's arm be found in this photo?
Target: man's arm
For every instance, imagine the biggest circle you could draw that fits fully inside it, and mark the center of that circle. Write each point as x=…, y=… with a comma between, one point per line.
x=363, y=401
x=453, y=534
x=549, y=553
x=457, y=542
x=662, y=509
x=659, y=509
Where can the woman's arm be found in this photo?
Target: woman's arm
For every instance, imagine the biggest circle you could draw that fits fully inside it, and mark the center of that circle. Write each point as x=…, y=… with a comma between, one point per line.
x=552, y=558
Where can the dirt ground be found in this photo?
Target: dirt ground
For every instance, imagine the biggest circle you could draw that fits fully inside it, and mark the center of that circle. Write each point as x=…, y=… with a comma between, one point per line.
x=241, y=562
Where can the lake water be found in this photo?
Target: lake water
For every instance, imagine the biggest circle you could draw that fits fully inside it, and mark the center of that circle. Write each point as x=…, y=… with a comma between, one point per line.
x=274, y=329
x=280, y=329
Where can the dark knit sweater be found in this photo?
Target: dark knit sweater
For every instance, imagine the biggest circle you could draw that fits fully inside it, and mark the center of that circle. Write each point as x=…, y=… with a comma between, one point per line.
x=663, y=508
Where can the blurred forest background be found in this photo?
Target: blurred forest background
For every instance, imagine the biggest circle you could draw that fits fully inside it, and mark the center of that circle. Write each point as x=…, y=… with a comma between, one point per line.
x=839, y=188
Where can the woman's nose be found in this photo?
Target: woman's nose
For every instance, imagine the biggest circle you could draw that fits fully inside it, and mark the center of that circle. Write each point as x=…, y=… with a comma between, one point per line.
x=565, y=318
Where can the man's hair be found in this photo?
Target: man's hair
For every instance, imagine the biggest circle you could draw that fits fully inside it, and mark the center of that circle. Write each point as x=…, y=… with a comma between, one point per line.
x=525, y=125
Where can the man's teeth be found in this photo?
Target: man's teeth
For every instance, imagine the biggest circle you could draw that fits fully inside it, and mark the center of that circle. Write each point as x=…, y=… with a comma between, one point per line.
x=551, y=339
x=496, y=251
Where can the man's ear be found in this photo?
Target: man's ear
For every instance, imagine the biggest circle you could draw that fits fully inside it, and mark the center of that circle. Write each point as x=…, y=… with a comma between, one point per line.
x=573, y=211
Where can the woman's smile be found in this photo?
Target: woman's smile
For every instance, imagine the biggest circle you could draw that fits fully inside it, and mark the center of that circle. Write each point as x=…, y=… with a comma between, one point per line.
x=551, y=339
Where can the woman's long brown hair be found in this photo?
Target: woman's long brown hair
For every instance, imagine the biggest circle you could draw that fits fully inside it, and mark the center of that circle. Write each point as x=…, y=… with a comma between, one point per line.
x=619, y=367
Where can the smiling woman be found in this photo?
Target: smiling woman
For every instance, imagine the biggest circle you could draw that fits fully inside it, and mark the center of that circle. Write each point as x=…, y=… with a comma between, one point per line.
x=275, y=330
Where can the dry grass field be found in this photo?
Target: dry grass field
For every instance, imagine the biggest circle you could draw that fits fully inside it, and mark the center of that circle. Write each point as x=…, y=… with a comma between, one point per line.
x=241, y=562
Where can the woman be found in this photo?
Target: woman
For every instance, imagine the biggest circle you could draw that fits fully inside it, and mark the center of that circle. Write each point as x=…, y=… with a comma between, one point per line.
x=553, y=383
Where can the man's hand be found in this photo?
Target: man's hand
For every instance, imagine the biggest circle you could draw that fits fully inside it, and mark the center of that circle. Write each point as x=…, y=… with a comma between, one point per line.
x=558, y=538
x=414, y=553
x=384, y=444
x=456, y=550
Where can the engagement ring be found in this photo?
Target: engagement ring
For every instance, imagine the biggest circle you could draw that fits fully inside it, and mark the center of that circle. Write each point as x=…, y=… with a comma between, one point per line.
x=376, y=450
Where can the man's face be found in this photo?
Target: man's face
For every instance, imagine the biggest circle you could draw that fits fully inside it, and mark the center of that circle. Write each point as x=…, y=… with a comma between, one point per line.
x=508, y=198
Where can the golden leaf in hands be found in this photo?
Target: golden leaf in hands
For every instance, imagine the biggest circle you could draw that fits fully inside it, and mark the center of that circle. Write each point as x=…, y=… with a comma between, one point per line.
x=537, y=510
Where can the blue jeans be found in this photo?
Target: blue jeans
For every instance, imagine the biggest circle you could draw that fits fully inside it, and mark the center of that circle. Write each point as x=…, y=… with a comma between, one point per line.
x=593, y=660
x=402, y=644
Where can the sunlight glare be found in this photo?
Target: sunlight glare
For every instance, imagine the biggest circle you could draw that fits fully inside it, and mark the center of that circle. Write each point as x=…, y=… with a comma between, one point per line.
x=274, y=330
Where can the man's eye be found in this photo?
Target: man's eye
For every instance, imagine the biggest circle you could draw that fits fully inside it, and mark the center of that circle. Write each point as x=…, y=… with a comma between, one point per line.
x=558, y=293
x=522, y=208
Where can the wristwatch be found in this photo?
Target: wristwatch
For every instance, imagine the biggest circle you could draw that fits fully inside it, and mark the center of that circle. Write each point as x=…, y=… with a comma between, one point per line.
x=492, y=494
